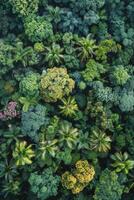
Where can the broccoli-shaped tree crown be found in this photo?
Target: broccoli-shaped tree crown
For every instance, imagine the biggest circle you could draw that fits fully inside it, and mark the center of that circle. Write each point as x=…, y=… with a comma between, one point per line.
x=55, y=84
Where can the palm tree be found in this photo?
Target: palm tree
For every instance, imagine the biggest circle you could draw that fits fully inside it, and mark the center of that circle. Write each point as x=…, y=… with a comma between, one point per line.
x=99, y=141
x=48, y=147
x=68, y=135
x=69, y=107
x=23, y=153
x=122, y=162
x=86, y=48
x=54, y=55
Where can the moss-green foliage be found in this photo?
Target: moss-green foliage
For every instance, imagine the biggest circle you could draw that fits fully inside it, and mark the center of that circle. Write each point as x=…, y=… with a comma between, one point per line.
x=6, y=57
x=108, y=187
x=55, y=84
x=37, y=28
x=45, y=184
x=93, y=70
x=29, y=85
x=24, y=7
x=120, y=75
x=105, y=47
x=39, y=47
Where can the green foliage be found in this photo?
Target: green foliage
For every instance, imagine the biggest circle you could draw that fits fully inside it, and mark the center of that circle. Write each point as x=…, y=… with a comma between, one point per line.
x=84, y=141
x=9, y=87
x=11, y=188
x=25, y=7
x=120, y=141
x=79, y=16
x=86, y=48
x=108, y=187
x=6, y=57
x=55, y=84
x=105, y=47
x=57, y=141
x=120, y=75
x=93, y=70
x=29, y=85
x=25, y=55
x=82, y=196
x=121, y=29
x=68, y=135
x=44, y=185
x=54, y=55
x=99, y=141
x=104, y=93
x=82, y=85
x=121, y=162
x=22, y=153
x=27, y=102
x=65, y=156
x=124, y=56
x=48, y=147
x=126, y=102
x=71, y=61
x=7, y=170
x=12, y=52
x=54, y=14
x=32, y=120
x=39, y=47
x=48, y=142
x=50, y=131
x=37, y=28
x=69, y=107
x=103, y=116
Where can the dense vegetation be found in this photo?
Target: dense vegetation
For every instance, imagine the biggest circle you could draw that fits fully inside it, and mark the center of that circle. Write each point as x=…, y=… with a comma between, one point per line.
x=67, y=99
